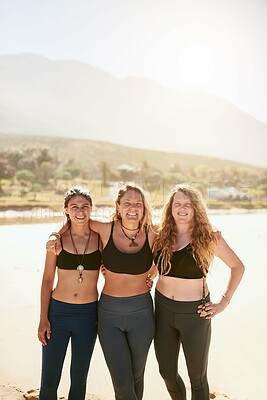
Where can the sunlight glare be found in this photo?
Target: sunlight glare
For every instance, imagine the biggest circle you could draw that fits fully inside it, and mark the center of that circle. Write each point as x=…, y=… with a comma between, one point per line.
x=196, y=65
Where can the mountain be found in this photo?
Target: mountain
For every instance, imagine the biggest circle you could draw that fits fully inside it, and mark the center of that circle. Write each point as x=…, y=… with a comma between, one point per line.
x=71, y=99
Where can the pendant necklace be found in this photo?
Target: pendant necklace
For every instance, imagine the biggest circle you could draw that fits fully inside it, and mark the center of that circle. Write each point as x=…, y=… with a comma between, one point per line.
x=80, y=267
x=131, y=238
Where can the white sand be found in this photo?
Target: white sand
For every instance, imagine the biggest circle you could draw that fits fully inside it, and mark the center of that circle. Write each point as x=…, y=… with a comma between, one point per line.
x=235, y=360
x=13, y=393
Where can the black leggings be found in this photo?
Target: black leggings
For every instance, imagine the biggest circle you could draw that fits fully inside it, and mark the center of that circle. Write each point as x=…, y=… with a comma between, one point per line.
x=126, y=330
x=78, y=323
x=177, y=322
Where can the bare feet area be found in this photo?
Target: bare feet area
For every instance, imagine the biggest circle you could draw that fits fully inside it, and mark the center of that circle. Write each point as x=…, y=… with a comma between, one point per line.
x=13, y=393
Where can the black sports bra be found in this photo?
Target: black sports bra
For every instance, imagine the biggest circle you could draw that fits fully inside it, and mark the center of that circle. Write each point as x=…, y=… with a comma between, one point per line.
x=120, y=262
x=69, y=261
x=183, y=264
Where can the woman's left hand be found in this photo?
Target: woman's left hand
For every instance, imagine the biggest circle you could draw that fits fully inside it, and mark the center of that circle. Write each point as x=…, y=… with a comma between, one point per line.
x=212, y=309
x=149, y=281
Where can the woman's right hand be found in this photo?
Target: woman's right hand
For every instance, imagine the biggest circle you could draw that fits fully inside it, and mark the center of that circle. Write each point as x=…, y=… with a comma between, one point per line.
x=103, y=270
x=53, y=245
x=44, y=331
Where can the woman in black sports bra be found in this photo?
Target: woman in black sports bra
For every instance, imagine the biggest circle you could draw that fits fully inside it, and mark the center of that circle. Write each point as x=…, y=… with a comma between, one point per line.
x=69, y=310
x=184, y=249
x=125, y=308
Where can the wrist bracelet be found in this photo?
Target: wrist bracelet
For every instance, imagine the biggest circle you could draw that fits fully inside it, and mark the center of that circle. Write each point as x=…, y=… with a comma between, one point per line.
x=58, y=236
x=226, y=298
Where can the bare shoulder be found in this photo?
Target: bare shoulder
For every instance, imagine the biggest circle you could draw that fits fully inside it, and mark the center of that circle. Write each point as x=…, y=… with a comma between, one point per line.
x=222, y=247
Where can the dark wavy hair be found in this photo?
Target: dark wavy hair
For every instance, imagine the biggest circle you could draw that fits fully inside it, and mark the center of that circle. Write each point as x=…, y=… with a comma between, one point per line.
x=73, y=192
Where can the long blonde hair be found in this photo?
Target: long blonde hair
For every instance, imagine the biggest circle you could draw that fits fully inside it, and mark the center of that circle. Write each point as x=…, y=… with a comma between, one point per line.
x=146, y=220
x=202, y=238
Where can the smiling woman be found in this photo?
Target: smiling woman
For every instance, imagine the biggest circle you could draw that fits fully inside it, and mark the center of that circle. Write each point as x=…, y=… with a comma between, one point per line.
x=69, y=311
x=125, y=309
x=184, y=249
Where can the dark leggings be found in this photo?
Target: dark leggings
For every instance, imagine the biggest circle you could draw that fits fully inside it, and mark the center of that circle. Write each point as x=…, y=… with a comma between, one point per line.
x=78, y=322
x=177, y=322
x=126, y=330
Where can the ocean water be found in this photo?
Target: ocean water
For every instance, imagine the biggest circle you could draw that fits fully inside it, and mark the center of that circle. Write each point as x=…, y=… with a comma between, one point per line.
x=238, y=354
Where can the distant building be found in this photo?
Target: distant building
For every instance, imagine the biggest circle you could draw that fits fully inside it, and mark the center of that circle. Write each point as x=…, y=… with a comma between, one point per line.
x=127, y=171
x=227, y=193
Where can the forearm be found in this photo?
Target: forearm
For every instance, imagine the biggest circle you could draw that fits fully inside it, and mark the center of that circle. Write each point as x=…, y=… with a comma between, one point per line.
x=233, y=283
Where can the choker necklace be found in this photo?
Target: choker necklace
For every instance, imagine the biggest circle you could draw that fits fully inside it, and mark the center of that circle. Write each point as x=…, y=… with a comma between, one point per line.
x=129, y=229
x=132, y=238
x=80, y=267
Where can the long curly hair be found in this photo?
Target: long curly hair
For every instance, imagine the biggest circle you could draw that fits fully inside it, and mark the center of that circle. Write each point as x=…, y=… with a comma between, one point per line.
x=202, y=237
x=146, y=220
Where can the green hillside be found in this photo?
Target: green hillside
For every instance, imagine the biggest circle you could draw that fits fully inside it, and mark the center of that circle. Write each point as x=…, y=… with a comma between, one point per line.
x=36, y=171
x=88, y=153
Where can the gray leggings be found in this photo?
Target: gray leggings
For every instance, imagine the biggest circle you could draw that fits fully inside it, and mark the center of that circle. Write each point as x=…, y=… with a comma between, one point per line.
x=126, y=330
x=177, y=322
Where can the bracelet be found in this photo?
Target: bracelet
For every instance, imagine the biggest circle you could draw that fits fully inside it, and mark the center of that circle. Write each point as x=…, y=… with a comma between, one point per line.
x=226, y=298
x=58, y=236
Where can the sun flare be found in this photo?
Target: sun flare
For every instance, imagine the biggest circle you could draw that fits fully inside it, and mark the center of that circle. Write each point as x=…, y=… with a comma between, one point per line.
x=196, y=64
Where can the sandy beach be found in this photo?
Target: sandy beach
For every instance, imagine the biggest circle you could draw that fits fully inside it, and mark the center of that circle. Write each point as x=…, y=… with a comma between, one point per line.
x=12, y=393
x=235, y=358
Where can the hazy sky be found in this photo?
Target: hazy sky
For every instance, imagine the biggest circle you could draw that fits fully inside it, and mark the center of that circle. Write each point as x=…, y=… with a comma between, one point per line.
x=218, y=46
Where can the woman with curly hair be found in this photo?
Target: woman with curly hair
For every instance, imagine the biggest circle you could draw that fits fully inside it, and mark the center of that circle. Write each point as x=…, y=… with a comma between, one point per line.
x=184, y=249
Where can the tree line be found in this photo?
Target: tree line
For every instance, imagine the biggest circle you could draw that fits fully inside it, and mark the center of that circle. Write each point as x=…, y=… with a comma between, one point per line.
x=33, y=167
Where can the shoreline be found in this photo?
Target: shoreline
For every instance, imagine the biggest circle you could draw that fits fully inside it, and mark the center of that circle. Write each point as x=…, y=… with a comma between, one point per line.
x=45, y=215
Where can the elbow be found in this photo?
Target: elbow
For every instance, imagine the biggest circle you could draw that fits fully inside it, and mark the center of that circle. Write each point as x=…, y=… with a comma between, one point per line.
x=241, y=269
x=47, y=284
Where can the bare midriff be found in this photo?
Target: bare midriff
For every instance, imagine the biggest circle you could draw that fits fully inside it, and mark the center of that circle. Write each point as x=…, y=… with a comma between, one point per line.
x=181, y=289
x=124, y=285
x=69, y=290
